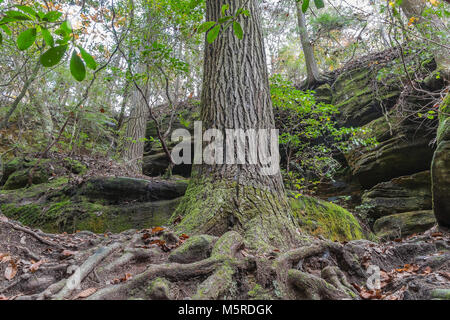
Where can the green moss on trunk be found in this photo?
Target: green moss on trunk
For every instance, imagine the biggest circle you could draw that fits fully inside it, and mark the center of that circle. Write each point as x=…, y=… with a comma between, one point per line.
x=215, y=207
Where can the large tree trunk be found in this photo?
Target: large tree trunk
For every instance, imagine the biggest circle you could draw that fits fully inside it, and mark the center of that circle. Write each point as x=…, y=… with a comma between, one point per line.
x=313, y=74
x=236, y=95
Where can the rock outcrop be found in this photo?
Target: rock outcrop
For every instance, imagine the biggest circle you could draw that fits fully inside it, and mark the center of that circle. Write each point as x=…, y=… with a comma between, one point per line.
x=404, y=224
x=394, y=175
x=402, y=194
x=440, y=169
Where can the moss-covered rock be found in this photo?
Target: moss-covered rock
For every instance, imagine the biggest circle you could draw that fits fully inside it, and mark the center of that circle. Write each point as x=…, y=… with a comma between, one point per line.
x=158, y=289
x=440, y=294
x=70, y=216
x=331, y=221
x=360, y=97
x=16, y=173
x=20, y=179
x=75, y=166
x=9, y=168
x=404, y=224
x=56, y=207
x=402, y=194
x=194, y=249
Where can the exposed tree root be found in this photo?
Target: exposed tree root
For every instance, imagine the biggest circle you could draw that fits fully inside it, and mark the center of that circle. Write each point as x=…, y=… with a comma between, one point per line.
x=86, y=268
x=123, y=266
x=34, y=234
x=311, y=287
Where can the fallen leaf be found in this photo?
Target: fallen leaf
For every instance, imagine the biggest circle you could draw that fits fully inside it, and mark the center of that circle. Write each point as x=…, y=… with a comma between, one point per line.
x=356, y=286
x=86, y=293
x=11, y=270
x=67, y=253
x=366, y=294
x=4, y=257
x=35, y=266
x=125, y=278
x=184, y=236
x=427, y=270
x=156, y=230
x=158, y=242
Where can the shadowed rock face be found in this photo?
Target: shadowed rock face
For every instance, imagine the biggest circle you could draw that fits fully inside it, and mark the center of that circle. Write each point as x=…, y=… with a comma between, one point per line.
x=403, y=149
x=157, y=164
x=121, y=189
x=441, y=184
x=402, y=194
x=440, y=168
x=404, y=224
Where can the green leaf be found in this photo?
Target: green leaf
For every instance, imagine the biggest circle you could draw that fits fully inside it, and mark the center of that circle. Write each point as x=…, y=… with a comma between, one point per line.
x=66, y=26
x=77, y=68
x=1, y=38
x=224, y=19
x=90, y=62
x=53, y=56
x=48, y=38
x=6, y=29
x=225, y=7
x=26, y=39
x=305, y=6
x=52, y=16
x=319, y=4
x=6, y=20
x=213, y=33
x=206, y=26
x=246, y=13
x=28, y=10
x=17, y=15
x=238, y=30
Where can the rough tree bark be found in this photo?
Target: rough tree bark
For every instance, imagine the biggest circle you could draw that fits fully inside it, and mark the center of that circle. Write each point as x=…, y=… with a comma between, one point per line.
x=134, y=144
x=236, y=95
x=313, y=74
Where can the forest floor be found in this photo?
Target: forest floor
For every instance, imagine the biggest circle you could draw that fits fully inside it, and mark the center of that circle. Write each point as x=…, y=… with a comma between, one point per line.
x=135, y=264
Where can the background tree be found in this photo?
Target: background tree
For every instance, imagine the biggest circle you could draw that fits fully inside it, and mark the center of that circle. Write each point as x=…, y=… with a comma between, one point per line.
x=313, y=74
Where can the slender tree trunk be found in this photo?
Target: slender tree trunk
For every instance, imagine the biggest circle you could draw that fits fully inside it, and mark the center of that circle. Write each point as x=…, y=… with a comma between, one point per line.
x=236, y=95
x=434, y=26
x=22, y=93
x=134, y=143
x=45, y=115
x=313, y=74
x=124, y=104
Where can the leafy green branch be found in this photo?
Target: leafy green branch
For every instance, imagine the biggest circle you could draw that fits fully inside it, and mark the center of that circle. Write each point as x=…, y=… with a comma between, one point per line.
x=48, y=26
x=213, y=27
